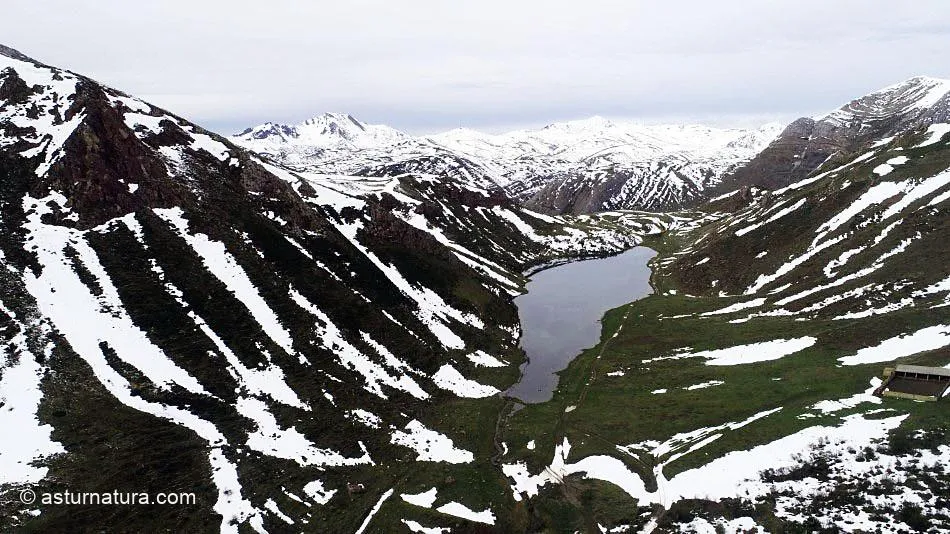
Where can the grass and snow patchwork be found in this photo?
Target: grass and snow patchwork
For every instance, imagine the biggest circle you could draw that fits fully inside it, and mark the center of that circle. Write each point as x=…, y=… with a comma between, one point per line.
x=739, y=525
x=20, y=396
x=867, y=396
x=733, y=475
x=58, y=285
x=222, y=264
x=374, y=375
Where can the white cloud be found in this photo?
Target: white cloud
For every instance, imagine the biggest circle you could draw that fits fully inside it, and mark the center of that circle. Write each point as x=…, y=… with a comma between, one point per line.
x=428, y=65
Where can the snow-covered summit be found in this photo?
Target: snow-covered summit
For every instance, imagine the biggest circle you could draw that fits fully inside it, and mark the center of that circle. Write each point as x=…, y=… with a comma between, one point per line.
x=610, y=164
x=329, y=130
x=597, y=163
x=578, y=140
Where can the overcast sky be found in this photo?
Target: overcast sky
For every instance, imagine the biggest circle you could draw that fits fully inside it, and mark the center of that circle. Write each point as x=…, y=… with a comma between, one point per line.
x=430, y=65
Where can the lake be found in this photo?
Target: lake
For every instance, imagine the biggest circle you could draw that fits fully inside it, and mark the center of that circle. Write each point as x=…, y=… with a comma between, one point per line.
x=560, y=314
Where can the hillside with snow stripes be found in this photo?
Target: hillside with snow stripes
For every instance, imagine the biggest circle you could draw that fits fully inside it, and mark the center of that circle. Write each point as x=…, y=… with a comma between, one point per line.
x=744, y=394
x=863, y=229
x=198, y=314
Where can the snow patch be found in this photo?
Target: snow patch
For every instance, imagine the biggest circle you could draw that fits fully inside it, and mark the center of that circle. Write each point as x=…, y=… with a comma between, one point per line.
x=431, y=446
x=318, y=493
x=450, y=379
x=930, y=338
x=425, y=499
x=756, y=352
x=460, y=510
x=936, y=133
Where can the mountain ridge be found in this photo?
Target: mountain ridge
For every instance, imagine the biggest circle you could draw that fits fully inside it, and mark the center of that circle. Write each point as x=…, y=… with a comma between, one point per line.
x=596, y=164
x=526, y=162
x=877, y=117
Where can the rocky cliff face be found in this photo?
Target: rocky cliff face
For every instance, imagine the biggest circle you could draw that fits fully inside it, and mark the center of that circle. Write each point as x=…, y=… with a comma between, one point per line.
x=844, y=133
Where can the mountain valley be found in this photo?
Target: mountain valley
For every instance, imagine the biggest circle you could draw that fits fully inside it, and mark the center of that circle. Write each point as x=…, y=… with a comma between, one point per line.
x=313, y=328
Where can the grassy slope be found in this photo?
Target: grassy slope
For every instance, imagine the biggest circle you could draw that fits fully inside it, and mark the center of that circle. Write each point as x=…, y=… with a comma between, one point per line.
x=620, y=410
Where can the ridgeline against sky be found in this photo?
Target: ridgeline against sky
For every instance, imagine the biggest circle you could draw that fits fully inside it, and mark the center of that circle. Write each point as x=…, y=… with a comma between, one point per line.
x=430, y=66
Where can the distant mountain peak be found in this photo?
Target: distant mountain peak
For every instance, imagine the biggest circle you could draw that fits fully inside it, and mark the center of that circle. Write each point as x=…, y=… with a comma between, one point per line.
x=595, y=122
x=923, y=91
x=335, y=121
x=927, y=79
x=268, y=129
x=328, y=130
x=629, y=164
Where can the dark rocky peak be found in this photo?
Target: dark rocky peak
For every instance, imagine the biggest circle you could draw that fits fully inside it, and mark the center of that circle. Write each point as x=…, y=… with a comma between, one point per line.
x=109, y=154
x=15, y=54
x=13, y=89
x=807, y=143
x=105, y=170
x=269, y=129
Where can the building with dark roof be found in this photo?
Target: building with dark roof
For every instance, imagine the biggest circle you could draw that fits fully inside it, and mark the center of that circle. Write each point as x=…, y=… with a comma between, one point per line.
x=915, y=382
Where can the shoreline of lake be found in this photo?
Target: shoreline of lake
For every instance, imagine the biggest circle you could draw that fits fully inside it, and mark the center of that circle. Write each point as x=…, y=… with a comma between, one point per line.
x=561, y=311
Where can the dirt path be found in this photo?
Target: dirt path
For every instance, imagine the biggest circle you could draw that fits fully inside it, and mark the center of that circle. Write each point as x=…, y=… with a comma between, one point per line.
x=503, y=416
x=603, y=347
x=661, y=489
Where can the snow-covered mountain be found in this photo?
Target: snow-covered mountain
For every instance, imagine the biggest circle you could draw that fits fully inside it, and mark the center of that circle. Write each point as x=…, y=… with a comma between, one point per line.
x=571, y=167
x=306, y=351
x=903, y=99
x=596, y=164
x=177, y=314
x=327, y=131
x=865, y=122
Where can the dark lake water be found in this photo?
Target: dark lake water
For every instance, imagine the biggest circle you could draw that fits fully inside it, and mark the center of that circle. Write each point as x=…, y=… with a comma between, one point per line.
x=560, y=314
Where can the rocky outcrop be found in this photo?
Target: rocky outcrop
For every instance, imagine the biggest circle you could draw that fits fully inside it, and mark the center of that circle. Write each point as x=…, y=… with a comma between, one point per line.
x=843, y=134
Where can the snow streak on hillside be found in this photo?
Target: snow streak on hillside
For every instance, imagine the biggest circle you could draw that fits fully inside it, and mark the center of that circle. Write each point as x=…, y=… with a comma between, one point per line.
x=159, y=281
x=915, y=94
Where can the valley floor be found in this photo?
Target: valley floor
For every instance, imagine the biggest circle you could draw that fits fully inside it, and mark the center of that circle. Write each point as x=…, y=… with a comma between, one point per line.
x=688, y=416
